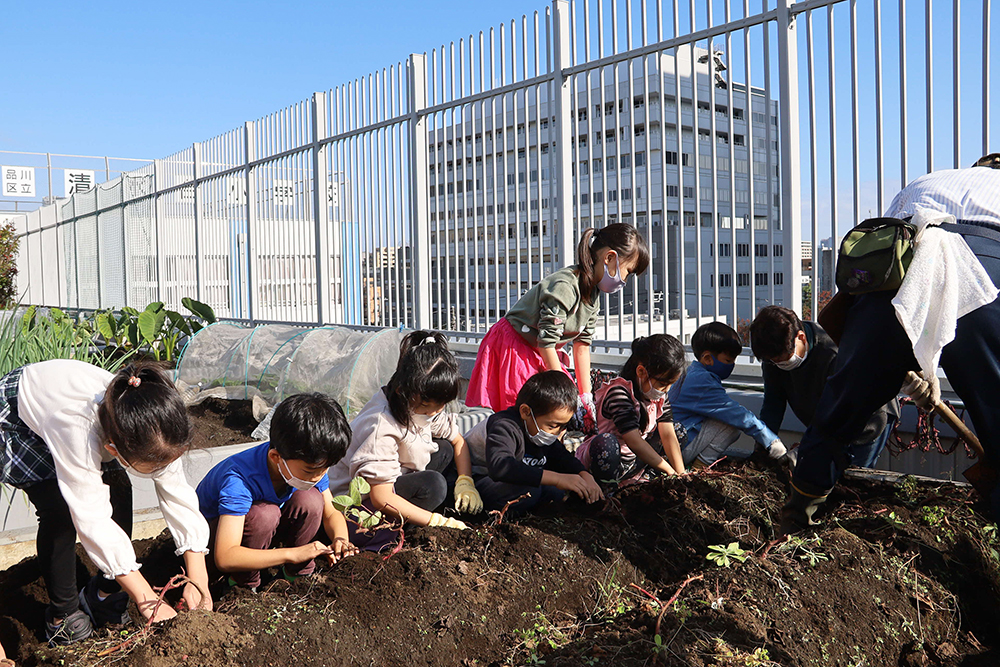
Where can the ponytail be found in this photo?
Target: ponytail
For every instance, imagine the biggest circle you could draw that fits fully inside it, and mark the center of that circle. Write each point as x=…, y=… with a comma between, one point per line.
x=620, y=237
x=143, y=415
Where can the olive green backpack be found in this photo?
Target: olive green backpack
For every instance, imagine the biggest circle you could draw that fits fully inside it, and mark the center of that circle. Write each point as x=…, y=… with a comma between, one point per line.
x=874, y=255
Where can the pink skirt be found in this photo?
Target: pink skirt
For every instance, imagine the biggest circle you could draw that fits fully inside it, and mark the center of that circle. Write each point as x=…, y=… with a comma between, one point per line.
x=504, y=363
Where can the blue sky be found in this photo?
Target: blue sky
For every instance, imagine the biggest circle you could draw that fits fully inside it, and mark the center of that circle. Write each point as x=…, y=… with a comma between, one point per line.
x=147, y=79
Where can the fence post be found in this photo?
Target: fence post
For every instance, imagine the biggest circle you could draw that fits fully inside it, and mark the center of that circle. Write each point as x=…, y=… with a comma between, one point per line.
x=788, y=113
x=196, y=174
x=563, y=178
x=156, y=231
x=320, y=203
x=420, y=248
x=250, y=155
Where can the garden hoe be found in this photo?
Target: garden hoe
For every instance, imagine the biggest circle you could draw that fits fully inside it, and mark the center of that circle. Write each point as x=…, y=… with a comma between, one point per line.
x=982, y=476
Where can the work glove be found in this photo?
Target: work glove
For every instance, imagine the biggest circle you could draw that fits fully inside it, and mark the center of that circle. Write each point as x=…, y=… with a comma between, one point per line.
x=776, y=449
x=797, y=513
x=445, y=522
x=586, y=413
x=925, y=393
x=466, y=497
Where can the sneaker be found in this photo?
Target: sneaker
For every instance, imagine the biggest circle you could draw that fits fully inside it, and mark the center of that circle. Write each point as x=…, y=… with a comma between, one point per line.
x=112, y=609
x=73, y=628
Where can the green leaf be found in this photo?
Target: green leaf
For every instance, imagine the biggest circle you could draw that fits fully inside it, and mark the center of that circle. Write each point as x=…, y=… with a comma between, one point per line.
x=154, y=307
x=129, y=310
x=343, y=503
x=202, y=310
x=151, y=323
x=133, y=334
x=361, y=485
x=106, y=326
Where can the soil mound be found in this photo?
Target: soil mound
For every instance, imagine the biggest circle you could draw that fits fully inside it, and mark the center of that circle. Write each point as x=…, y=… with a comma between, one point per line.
x=898, y=574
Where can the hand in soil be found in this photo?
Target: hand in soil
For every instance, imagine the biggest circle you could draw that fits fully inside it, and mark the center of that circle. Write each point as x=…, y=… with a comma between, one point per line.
x=193, y=599
x=341, y=549
x=307, y=552
x=163, y=611
x=585, y=487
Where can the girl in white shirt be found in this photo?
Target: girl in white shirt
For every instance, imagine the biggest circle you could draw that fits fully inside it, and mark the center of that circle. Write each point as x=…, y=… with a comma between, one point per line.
x=406, y=447
x=66, y=430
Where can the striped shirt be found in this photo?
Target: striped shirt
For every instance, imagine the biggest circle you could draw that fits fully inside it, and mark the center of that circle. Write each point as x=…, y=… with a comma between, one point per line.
x=971, y=195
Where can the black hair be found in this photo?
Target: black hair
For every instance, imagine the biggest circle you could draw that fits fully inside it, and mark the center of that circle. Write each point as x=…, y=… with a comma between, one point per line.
x=427, y=371
x=992, y=161
x=310, y=428
x=773, y=331
x=143, y=416
x=546, y=391
x=716, y=337
x=620, y=237
x=661, y=355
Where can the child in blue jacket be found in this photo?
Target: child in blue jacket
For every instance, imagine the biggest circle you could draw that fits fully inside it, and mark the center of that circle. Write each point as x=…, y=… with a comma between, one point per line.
x=712, y=420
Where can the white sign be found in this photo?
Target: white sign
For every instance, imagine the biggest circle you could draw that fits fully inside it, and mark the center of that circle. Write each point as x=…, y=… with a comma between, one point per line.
x=77, y=181
x=284, y=192
x=18, y=181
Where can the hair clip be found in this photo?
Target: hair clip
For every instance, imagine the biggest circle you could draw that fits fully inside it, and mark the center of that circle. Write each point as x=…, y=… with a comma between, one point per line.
x=430, y=340
x=134, y=381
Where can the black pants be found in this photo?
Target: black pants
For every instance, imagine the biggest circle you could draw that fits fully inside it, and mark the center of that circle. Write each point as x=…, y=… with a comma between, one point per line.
x=56, y=538
x=875, y=355
x=428, y=489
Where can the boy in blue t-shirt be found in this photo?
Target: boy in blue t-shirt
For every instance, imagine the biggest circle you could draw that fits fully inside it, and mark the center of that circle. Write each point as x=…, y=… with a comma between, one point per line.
x=277, y=493
x=712, y=420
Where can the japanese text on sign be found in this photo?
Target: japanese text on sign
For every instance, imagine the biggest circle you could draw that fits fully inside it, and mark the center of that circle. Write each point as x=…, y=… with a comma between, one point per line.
x=78, y=181
x=17, y=181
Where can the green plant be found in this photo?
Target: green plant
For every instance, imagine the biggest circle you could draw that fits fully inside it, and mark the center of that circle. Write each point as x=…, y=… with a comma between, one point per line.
x=722, y=555
x=806, y=548
x=9, y=242
x=351, y=506
x=906, y=488
x=156, y=328
x=932, y=516
x=894, y=520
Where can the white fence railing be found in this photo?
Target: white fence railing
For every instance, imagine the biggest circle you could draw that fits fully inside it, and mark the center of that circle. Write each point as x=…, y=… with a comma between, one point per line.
x=434, y=192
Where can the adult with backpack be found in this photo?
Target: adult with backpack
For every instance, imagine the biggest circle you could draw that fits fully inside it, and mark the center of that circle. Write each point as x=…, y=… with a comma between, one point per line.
x=876, y=353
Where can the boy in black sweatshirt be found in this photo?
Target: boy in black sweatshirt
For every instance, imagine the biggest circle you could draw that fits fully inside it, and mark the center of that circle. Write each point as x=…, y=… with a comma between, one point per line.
x=524, y=451
x=797, y=357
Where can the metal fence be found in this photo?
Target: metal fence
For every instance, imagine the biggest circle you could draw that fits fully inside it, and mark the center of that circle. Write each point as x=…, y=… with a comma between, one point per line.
x=434, y=192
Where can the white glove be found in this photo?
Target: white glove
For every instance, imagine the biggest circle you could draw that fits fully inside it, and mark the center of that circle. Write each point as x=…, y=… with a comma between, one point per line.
x=587, y=401
x=446, y=522
x=776, y=449
x=792, y=456
x=925, y=393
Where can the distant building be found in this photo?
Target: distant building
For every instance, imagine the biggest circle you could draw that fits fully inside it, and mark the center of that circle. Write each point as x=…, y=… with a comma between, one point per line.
x=491, y=170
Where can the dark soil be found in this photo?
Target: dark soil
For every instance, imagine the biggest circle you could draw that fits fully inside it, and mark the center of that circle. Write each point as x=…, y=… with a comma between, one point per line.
x=901, y=574
x=218, y=422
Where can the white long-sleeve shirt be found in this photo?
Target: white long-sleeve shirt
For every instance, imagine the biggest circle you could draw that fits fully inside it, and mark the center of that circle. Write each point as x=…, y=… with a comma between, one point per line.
x=971, y=195
x=58, y=400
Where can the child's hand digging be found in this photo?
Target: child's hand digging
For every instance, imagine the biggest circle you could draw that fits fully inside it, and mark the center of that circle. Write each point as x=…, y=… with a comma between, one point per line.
x=341, y=549
x=307, y=552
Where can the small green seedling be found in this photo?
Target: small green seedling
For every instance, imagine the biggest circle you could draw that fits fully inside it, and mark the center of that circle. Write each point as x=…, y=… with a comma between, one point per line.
x=351, y=506
x=722, y=555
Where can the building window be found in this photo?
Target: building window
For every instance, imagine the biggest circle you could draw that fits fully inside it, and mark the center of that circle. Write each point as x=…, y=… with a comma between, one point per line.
x=743, y=280
x=688, y=192
x=672, y=190
x=760, y=279
x=640, y=159
x=778, y=252
x=779, y=278
x=742, y=249
x=671, y=157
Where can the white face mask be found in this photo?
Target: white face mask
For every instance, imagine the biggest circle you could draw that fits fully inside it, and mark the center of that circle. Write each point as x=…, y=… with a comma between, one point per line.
x=293, y=481
x=135, y=473
x=423, y=421
x=653, y=393
x=542, y=438
x=791, y=363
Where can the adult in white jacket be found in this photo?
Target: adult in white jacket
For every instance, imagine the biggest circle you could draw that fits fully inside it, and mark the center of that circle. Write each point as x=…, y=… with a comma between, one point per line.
x=66, y=430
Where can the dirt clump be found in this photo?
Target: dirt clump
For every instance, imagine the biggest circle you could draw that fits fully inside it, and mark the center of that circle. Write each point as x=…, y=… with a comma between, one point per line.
x=219, y=422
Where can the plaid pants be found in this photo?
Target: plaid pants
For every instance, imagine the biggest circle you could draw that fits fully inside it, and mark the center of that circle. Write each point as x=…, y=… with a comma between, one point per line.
x=24, y=457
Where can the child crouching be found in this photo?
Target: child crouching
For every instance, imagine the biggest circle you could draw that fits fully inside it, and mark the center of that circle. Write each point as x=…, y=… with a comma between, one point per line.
x=524, y=451
x=277, y=493
x=634, y=421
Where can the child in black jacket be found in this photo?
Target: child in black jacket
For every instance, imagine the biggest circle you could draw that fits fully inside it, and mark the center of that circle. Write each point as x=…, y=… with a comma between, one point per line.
x=524, y=451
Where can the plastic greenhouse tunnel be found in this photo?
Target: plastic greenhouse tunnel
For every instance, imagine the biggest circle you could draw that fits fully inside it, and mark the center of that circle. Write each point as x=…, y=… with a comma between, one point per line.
x=266, y=363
